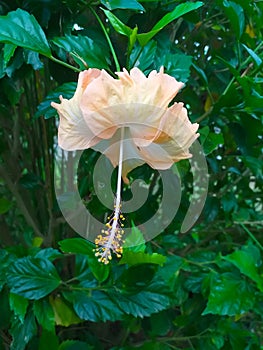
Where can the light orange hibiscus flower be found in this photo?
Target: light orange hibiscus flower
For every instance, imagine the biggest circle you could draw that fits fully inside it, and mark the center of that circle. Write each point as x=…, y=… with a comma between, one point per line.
x=156, y=134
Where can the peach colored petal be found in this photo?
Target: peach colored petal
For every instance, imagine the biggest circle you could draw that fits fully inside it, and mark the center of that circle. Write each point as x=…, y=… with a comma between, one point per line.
x=73, y=132
x=173, y=142
x=134, y=101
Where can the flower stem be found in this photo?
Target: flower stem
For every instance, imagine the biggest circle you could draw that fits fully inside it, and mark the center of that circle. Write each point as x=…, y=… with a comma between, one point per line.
x=117, y=209
x=118, y=68
x=110, y=240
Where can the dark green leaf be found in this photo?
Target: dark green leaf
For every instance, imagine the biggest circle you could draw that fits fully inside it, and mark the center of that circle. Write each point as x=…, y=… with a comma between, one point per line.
x=21, y=29
x=49, y=338
x=32, y=278
x=75, y=345
x=210, y=140
x=176, y=65
x=22, y=332
x=5, y=205
x=143, y=58
x=48, y=253
x=229, y=295
x=95, y=307
x=32, y=58
x=5, y=309
x=6, y=260
x=144, y=303
x=236, y=16
x=85, y=51
x=255, y=164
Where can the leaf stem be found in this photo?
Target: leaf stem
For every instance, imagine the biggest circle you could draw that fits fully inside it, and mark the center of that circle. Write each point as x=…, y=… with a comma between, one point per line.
x=65, y=64
x=118, y=68
x=251, y=236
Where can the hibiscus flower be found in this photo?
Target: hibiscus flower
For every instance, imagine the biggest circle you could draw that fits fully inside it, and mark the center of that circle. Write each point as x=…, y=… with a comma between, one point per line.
x=101, y=105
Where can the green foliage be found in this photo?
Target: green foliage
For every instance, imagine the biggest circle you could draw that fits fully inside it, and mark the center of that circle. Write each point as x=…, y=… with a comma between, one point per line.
x=199, y=290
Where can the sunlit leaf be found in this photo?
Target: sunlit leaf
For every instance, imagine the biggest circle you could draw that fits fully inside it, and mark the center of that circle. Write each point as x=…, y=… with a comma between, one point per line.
x=117, y=24
x=179, y=11
x=134, y=258
x=122, y=4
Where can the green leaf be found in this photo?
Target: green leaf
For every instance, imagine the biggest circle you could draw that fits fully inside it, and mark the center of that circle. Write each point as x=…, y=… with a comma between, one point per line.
x=201, y=73
x=64, y=314
x=179, y=11
x=18, y=305
x=75, y=345
x=255, y=164
x=176, y=65
x=82, y=246
x=49, y=338
x=44, y=314
x=5, y=205
x=48, y=253
x=85, y=51
x=21, y=29
x=229, y=295
x=77, y=246
x=117, y=24
x=236, y=16
x=122, y=4
x=143, y=303
x=136, y=277
x=254, y=56
x=32, y=58
x=143, y=58
x=23, y=332
x=95, y=307
x=9, y=51
x=67, y=90
x=171, y=268
x=134, y=241
x=6, y=259
x=246, y=263
x=134, y=258
x=32, y=278
x=212, y=142
x=100, y=271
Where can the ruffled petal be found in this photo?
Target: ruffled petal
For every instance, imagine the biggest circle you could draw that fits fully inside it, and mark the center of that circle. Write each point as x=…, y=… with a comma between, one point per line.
x=73, y=132
x=173, y=141
x=133, y=100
